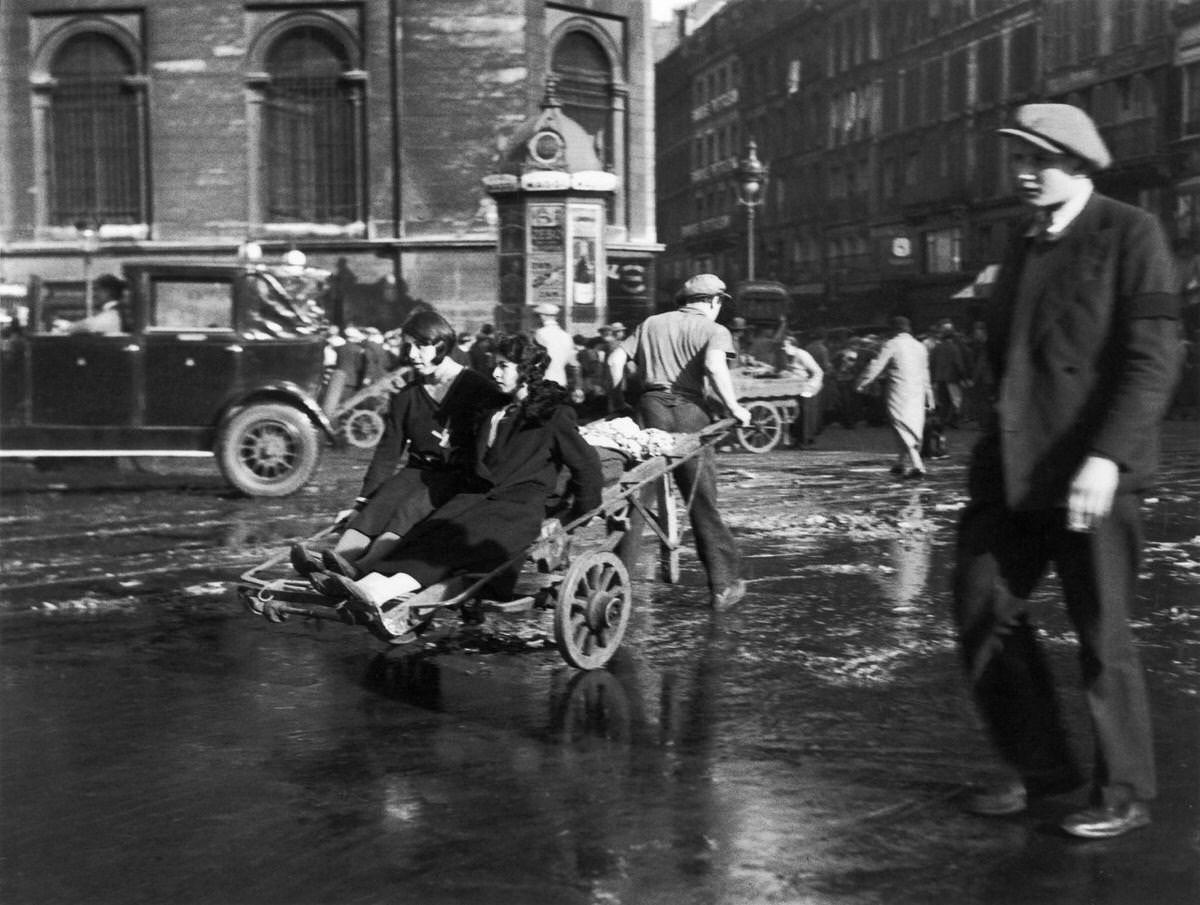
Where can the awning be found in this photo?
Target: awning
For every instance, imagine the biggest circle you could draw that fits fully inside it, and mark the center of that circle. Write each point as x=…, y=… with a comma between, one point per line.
x=981, y=287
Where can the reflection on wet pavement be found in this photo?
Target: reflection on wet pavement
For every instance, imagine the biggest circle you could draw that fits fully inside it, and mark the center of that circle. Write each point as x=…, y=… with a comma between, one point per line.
x=162, y=745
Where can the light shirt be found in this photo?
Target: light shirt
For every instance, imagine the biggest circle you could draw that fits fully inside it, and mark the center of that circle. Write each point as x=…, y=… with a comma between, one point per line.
x=669, y=350
x=558, y=342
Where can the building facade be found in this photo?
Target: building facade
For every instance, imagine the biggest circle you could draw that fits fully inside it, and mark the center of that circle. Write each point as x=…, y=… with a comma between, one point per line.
x=357, y=132
x=887, y=187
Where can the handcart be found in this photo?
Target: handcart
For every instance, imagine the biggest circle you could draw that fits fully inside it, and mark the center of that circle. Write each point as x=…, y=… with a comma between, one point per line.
x=576, y=573
x=358, y=418
x=771, y=399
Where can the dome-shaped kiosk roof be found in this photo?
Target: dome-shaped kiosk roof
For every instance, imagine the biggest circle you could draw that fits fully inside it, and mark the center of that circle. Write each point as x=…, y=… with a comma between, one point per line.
x=552, y=151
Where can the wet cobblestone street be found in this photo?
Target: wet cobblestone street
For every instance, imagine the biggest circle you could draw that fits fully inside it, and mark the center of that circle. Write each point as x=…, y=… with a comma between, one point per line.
x=159, y=744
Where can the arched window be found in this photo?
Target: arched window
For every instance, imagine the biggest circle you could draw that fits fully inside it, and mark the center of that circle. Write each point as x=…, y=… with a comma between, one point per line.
x=585, y=82
x=310, y=130
x=95, y=134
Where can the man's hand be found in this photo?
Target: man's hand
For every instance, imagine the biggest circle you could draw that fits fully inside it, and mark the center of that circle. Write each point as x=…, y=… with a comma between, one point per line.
x=1091, y=494
x=551, y=527
x=742, y=414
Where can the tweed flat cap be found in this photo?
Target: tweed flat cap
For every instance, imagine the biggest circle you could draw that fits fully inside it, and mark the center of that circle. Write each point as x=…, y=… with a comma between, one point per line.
x=1061, y=129
x=702, y=285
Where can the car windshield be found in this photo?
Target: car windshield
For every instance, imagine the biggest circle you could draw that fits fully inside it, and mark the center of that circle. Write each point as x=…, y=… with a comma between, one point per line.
x=289, y=301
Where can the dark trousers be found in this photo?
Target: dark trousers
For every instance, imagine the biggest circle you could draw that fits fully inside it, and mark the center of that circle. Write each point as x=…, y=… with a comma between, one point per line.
x=849, y=404
x=696, y=479
x=807, y=425
x=1002, y=555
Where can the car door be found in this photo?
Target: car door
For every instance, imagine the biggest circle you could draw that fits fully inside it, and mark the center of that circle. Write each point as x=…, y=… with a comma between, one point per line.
x=193, y=354
x=82, y=379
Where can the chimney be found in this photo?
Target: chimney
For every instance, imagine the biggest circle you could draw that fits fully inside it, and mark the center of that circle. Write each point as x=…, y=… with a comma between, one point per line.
x=681, y=17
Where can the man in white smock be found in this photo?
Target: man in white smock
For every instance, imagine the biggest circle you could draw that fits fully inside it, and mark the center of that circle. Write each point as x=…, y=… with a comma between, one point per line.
x=909, y=393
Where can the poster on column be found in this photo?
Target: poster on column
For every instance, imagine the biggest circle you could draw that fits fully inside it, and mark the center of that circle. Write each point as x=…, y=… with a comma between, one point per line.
x=547, y=254
x=585, y=235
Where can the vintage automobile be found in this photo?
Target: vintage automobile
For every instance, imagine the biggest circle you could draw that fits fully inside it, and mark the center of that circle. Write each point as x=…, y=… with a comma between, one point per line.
x=217, y=359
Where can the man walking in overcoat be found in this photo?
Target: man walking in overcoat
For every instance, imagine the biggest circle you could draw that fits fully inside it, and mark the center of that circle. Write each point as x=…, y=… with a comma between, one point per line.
x=1083, y=337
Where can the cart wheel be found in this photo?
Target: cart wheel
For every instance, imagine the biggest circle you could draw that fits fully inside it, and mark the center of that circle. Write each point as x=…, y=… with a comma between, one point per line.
x=363, y=428
x=765, y=430
x=596, y=706
x=594, y=603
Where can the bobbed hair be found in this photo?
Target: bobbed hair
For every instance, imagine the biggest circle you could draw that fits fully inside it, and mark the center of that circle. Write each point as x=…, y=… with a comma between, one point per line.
x=531, y=359
x=428, y=328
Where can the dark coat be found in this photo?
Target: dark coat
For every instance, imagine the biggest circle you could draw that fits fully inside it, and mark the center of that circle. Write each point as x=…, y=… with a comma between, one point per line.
x=1083, y=337
x=514, y=477
x=439, y=439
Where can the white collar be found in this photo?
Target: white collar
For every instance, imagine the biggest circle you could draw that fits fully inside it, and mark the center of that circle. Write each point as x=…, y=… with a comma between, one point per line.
x=1064, y=215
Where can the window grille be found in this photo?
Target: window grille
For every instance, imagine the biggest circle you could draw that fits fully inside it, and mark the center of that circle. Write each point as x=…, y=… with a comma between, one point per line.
x=95, y=134
x=310, y=131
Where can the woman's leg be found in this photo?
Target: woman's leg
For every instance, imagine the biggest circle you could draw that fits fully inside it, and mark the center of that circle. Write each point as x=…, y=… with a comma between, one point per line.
x=379, y=550
x=352, y=544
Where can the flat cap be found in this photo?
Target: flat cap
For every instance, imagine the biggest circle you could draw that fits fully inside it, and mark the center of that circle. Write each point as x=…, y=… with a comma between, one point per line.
x=1061, y=129
x=702, y=285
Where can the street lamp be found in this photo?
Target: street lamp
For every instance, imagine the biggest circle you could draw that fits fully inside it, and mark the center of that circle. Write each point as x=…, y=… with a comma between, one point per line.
x=89, y=231
x=751, y=175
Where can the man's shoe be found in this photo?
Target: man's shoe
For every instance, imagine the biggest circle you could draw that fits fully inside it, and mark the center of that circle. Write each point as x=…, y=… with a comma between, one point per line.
x=914, y=474
x=998, y=800
x=729, y=596
x=304, y=561
x=897, y=469
x=335, y=562
x=1107, y=822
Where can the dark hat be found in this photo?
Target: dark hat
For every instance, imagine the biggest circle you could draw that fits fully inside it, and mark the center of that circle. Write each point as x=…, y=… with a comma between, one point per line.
x=1061, y=129
x=113, y=285
x=702, y=285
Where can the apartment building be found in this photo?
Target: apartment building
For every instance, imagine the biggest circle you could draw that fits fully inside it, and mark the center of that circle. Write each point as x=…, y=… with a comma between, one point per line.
x=887, y=188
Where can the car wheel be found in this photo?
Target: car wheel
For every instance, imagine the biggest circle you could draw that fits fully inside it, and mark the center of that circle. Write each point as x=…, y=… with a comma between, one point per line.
x=268, y=449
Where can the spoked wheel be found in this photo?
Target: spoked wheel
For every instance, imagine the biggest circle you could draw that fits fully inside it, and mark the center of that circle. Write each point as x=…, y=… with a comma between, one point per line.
x=765, y=429
x=363, y=428
x=597, y=706
x=594, y=602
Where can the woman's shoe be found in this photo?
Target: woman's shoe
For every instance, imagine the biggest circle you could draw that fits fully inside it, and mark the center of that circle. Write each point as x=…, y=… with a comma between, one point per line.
x=304, y=561
x=339, y=587
x=331, y=584
x=335, y=562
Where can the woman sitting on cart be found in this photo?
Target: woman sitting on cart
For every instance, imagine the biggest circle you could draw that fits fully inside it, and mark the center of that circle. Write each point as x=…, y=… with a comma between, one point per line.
x=435, y=416
x=519, y=452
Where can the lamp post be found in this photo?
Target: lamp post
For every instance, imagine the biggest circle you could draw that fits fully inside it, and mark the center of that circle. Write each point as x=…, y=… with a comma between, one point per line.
x=751, y=175
x=89, y=231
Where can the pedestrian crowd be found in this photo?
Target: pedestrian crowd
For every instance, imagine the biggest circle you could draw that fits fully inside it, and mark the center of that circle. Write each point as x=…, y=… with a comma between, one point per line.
x=1067, y=379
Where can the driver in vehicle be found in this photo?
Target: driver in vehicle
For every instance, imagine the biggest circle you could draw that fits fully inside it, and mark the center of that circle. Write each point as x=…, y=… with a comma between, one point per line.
x=519, y=451
x=109, y=291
